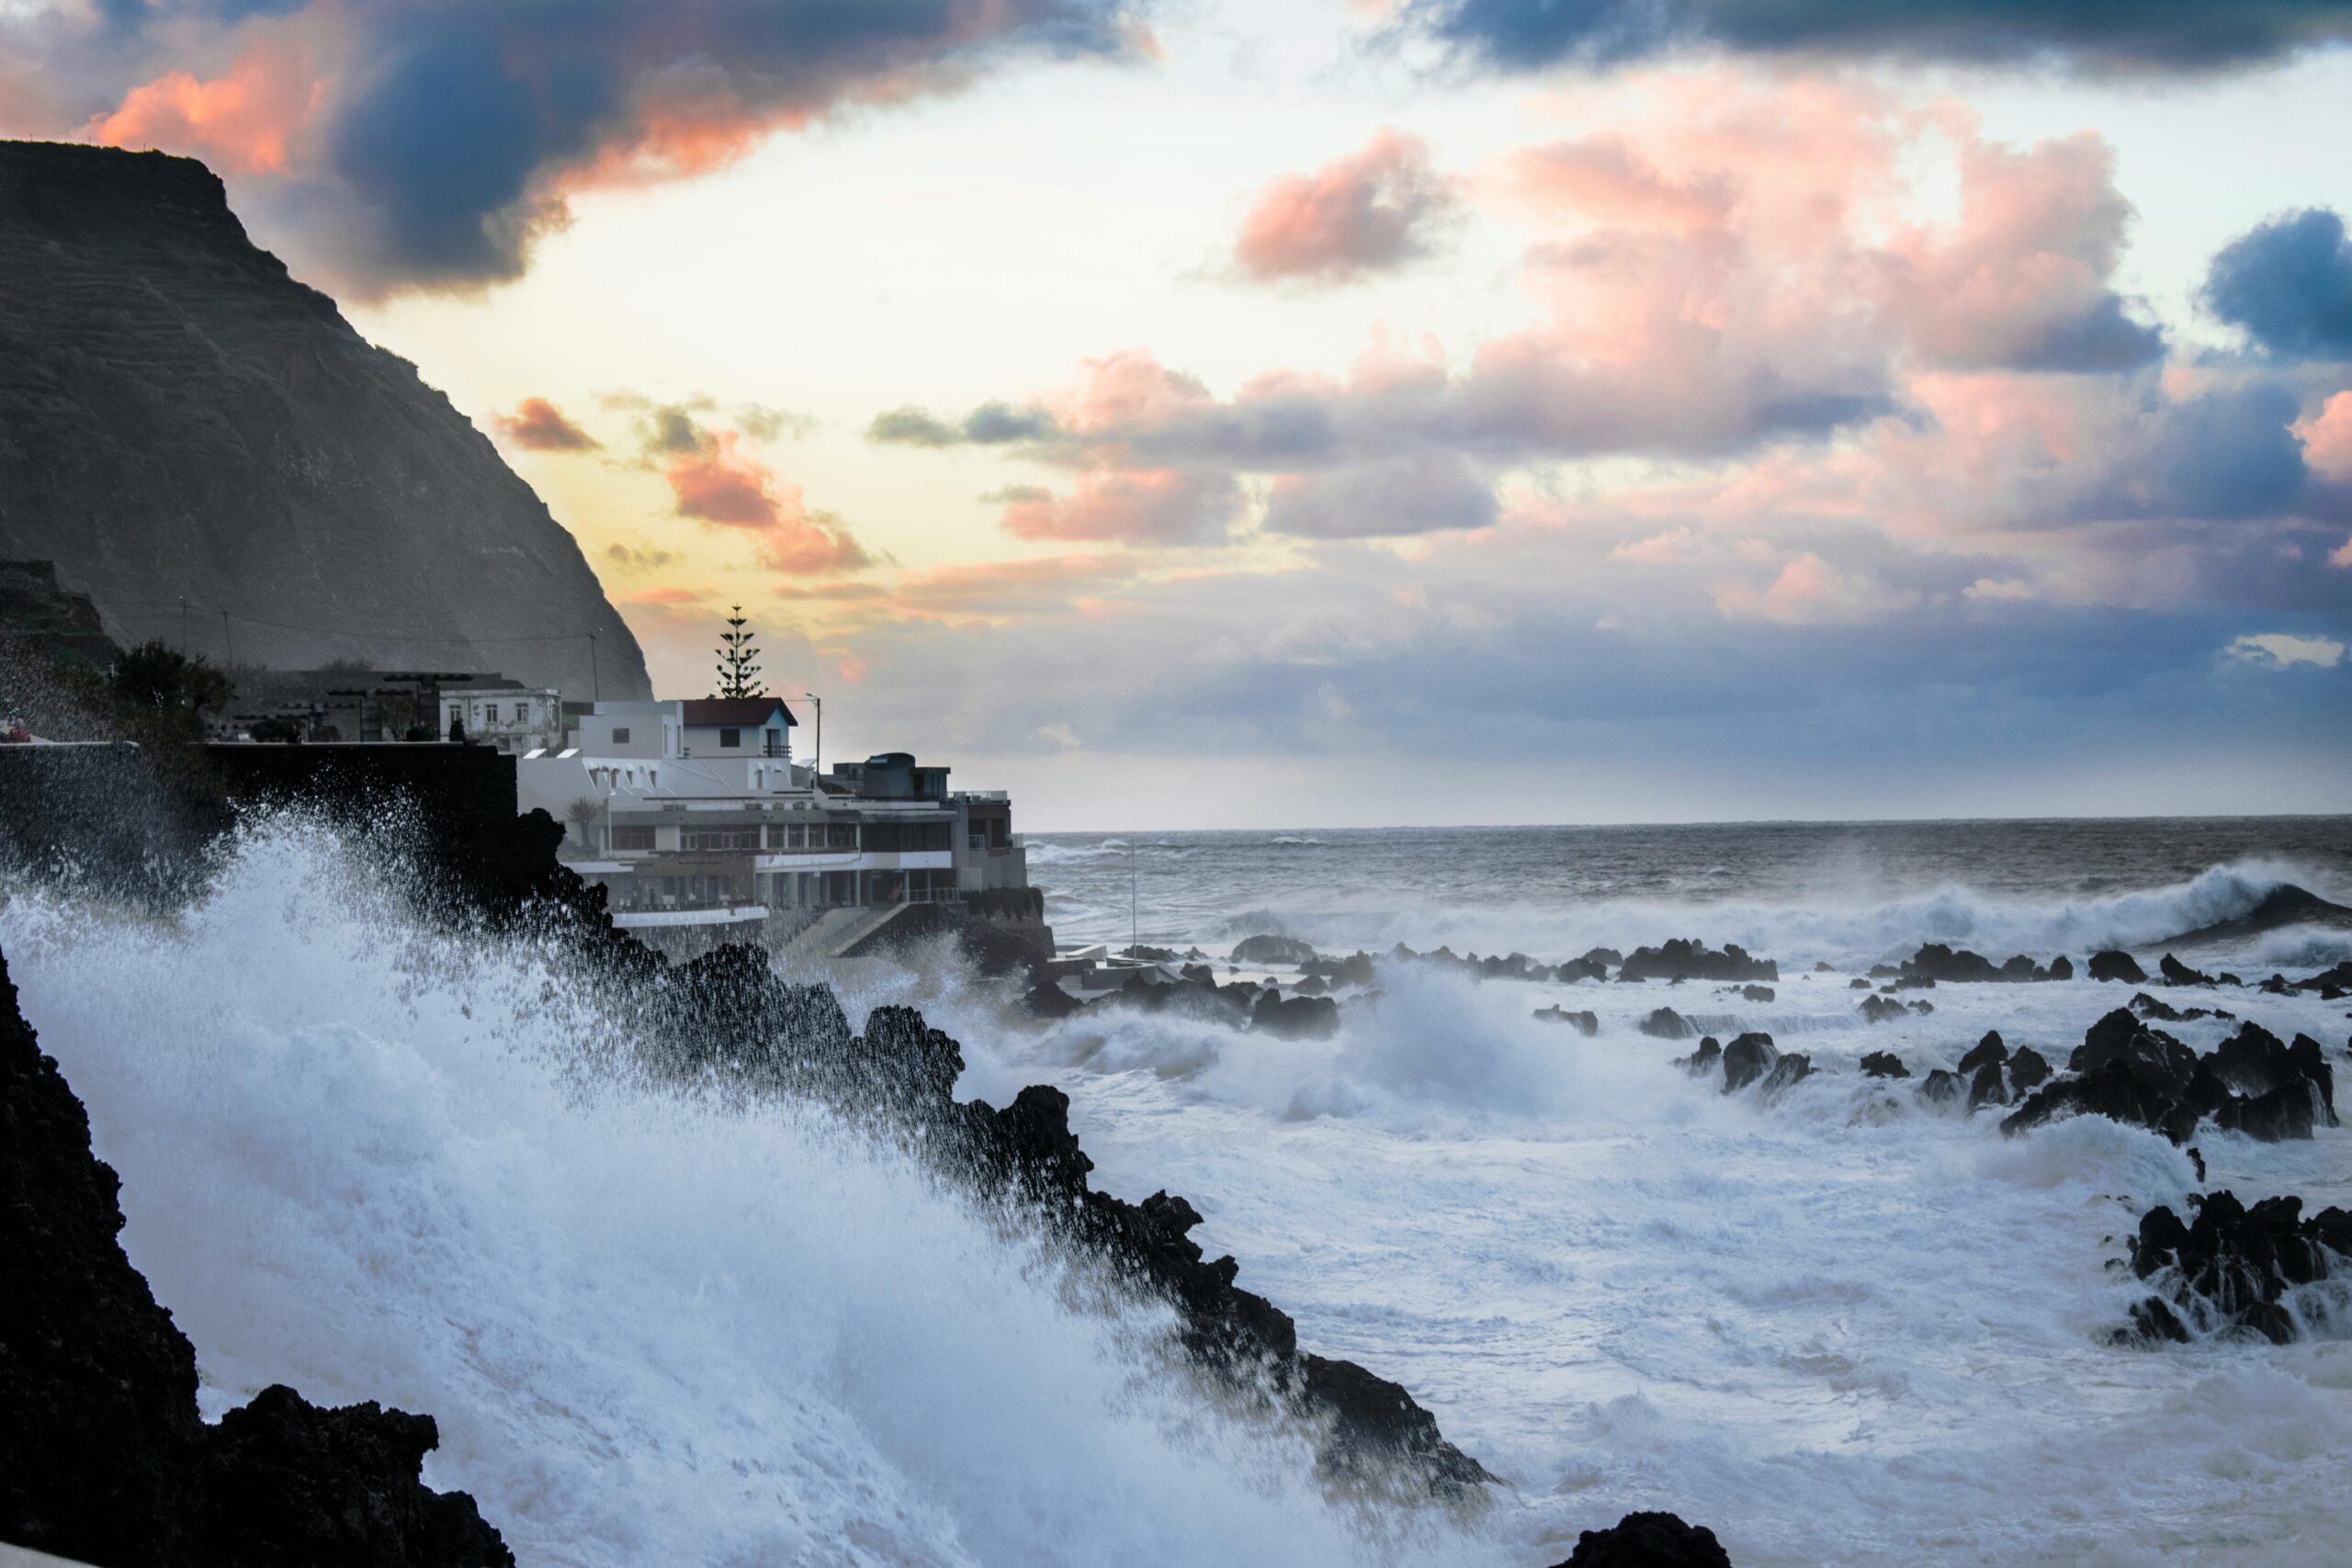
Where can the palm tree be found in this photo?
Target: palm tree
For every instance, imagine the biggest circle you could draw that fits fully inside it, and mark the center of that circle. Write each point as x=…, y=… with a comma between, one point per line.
x=583, y=813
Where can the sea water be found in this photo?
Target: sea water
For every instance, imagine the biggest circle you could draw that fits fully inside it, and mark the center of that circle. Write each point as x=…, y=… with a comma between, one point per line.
x=378, y=1162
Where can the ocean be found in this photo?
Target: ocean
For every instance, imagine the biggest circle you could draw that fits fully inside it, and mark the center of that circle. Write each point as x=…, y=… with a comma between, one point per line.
x=378, y=1161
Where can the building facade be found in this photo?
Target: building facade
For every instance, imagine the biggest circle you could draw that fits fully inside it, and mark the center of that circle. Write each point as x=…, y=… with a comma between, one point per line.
x=510, y=718
x=695, y=813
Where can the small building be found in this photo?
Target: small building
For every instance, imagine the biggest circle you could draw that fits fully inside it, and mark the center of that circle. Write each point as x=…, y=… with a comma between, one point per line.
x=513, y=718
x=737, y=727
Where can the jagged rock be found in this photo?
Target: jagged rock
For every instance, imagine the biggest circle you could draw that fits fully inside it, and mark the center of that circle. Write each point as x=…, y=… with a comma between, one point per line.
x=1940, y=1087
x=1858, y=983
x=250, y=451
x=1682, y=959
x=1314, y=985
x=2175, y=972
x=2029, y=1069
x=1296, y=1018
x=1274, y=952
x=1048, y=1000
x=1708, y=1054
x=1923, y=1006
x=1986, y=1088
x=2291, y=1110
x=1822, y=967
x=2231, y=1271
x=1605, y=958
x=1989, y=1050
x=1878, y=1009
x=1665, y=1023
x=1787, y=1073
x=2060, y=968
x=1934, y=961
x=2338, y=978
x=1747, y=1059
x=1755, y=993
x=1883, y=972
x=2114, y=965
x=2121, y=1037
x=2158, y=1009
x=1585, y=1023
x=103, y=1457
x=1648, y=1541
x=1579, y=969
x=1884, y=1064
x=1356, y=969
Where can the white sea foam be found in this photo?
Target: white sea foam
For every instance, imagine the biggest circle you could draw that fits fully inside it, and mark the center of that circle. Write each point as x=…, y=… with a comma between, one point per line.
x=380, y=1166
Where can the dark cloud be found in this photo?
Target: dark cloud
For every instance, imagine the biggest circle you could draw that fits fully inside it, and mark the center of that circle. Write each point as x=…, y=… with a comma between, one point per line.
x=451, y=132
x=2232, y=455
x=991, y=424
x=2100, y=341
x=642, y=559
x=1427, y=495
x=2146, y=35
x=2288, y=285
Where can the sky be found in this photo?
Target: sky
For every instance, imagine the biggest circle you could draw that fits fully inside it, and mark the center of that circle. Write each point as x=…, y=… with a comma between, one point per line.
x=1334, y=412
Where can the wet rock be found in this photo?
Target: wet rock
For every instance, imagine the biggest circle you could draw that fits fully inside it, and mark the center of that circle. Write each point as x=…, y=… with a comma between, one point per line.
x=1605, y=958
x=1585, y=1023
x=1989, y=1051
x=1934, y=961
x=1787, y=1073
x=1986, y=1088
x=1295, y=1018
x=1884, y=1064
x=2121, y=1037
x=1681, y=960
x=2290, y=1111
x=103, y=1457
x=2175, y=972
x=1858, y=983
x=1353, y=970
x=1274, y=952
x=1884, y=971
x=1709, y=1054
x=2029, y=1069
x=2233, y=1269
x=2157, y=1007
x=1755, y=993
x=2060, y=968
x=1665, y=1023
x=2114, y=965
x=1747, y=1059
x=1940, y=1088
x=1648, y=1541
x=1923, y=1006
x=1576, y=970
x=1048, y=1000
x=1821, y=966
x=1878, y=1009
x=1314, y=985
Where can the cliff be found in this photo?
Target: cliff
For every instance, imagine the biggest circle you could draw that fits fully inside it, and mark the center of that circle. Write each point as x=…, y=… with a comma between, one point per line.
x=179, y=417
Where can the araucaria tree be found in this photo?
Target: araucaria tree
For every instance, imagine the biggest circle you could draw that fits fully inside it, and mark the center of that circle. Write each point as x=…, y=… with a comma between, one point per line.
x=738, y=676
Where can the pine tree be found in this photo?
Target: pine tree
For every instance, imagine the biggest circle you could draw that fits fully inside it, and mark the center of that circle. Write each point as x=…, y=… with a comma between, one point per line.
x=738, y=676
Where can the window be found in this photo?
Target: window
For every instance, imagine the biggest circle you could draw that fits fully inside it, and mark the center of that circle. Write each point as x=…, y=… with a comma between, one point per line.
x=490, y=715
x=730, y=739
x=620, y=735
x=719, y=839
x=640, y=838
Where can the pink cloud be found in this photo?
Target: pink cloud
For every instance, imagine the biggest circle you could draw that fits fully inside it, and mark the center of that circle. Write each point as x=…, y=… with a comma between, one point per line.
x=249, y=119
x=1810, y=592
x=1373, y=210
x=537, y=425
x=2327, y=439
x=1140, y=506
x=717, y=481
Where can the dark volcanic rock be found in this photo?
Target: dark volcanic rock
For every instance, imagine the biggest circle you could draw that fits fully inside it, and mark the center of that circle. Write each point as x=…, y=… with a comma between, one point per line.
x=2029, y=1069
x=1648, y=1541
x=1858, y=983
x=2160, y=1009
x=1665, y=1023
x=1681, y=960
x=1585, y=1023
x=1788, y=1072
x=2114, y=965
x=1940, y=1087
x=1274, y=952
x=2233, y=1270
x=1580, y=969
x=1878, y=1009
x=1934, y=961
x=245, y=448
x=2252, y=1084
x=2060, y=968
x=1986, y=1088
x=1747, y=1059
x=1988, y=1051
x=1295, y=1018
x=2175, y=972
x=1709, y=1054
x=1755, y=993
x=102, y=1455
x=1884, y=1064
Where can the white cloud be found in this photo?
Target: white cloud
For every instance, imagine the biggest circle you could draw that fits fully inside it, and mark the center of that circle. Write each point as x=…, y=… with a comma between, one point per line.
x=1998, y=588
x=2278, y=650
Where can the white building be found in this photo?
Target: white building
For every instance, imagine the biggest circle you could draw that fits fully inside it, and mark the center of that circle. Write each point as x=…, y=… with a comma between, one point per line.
x=513, y=718
x=694, y=813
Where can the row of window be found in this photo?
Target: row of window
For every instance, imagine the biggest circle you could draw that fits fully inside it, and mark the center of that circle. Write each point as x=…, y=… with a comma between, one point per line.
x=883, y=838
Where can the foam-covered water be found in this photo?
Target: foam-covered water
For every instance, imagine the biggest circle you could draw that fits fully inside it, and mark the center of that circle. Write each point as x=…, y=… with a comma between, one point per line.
x=1838, y=1328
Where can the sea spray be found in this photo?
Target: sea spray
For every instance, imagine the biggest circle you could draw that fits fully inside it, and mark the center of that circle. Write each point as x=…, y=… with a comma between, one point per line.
x=380, y=1164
